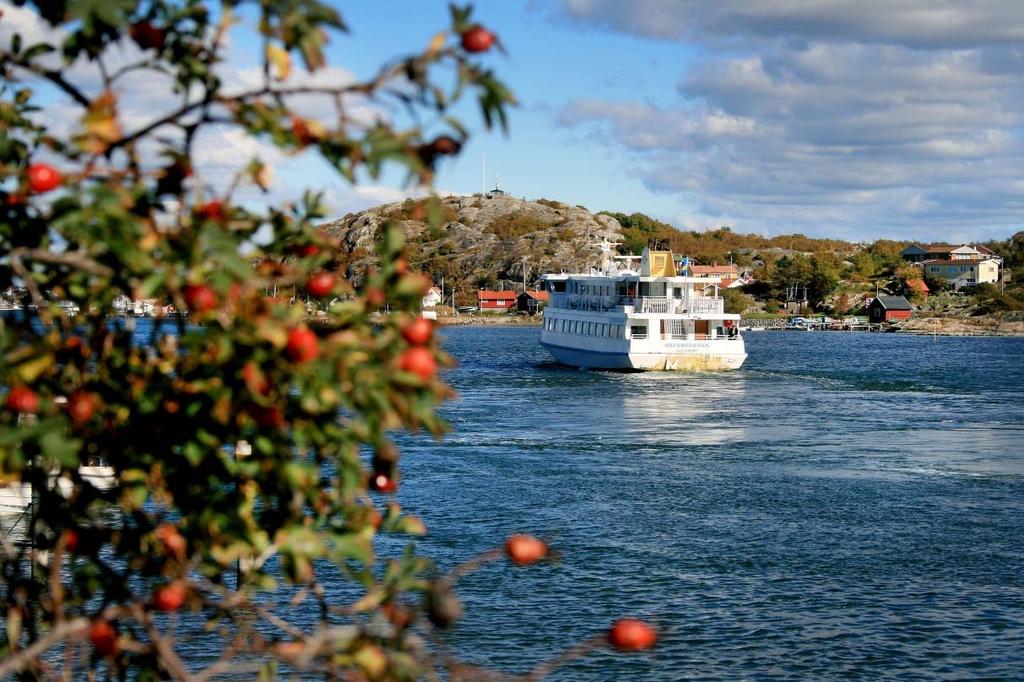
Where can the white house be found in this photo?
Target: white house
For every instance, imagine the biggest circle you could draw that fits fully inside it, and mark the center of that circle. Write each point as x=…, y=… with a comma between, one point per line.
x=960, y=272
x=433, y=298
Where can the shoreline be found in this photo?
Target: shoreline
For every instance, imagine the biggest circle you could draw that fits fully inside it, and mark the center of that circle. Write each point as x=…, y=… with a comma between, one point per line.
x=925, y=326
x=487, y=320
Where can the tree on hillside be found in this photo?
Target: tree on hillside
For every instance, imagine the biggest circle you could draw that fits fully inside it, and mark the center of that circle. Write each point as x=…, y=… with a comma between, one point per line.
x=639, y=230
x=825, y=276
x=736, y=301
x=251, y=442
x=790, y=271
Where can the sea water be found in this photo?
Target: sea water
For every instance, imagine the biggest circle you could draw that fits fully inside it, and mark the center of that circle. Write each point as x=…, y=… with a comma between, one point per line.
x=845, y=505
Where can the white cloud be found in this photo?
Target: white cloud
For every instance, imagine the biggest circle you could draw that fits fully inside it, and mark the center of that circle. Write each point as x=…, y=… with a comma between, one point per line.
x=930, y=24
x=350, y=199
x=842, y=130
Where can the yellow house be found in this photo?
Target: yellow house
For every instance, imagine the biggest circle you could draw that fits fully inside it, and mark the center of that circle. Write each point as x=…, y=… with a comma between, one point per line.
x=963, y=272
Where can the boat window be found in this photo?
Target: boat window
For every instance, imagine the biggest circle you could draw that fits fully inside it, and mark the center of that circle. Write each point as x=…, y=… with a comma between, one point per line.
x=559, y=287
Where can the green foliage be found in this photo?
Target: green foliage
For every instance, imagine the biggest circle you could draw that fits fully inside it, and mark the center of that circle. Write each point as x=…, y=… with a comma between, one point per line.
x=989, y=299
x=639, y=230
x=314, y=395
x=432, y=210
x=516, y=224
x=736, y=301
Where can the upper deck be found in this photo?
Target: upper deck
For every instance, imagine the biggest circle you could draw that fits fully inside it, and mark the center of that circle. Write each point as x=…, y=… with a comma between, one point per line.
x=654, y=289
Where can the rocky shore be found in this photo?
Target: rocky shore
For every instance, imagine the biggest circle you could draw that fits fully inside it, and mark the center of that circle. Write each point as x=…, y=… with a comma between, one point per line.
x=1005, y=324
x=486, y=320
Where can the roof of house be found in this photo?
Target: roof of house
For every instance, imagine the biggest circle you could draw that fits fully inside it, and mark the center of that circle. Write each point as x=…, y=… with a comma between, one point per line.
x=943, y=248
x=894, y=302
x=500, y=295
x=537, y=295
x=961, y=261
x=918, y=284
x=713, y=269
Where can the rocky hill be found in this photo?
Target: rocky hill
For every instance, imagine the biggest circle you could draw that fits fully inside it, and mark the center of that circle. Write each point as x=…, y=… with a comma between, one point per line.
x=482, y=240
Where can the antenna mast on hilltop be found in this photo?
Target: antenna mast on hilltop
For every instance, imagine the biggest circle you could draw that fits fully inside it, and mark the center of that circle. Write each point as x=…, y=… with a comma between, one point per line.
x=483, y=174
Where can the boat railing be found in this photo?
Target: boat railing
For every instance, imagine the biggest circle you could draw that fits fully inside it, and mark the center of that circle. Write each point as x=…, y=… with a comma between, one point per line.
x=707, y=305
x=703, y=305
x=657, y=305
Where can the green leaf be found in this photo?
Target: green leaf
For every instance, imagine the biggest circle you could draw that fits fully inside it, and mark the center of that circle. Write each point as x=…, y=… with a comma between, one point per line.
x=60, y=448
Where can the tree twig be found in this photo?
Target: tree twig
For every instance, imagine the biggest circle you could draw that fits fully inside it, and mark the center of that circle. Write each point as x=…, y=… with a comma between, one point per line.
x=76, y=260
x=17, y=662
x=576, y=651
x=51, y=75
x=168, y=656
x=33, y=289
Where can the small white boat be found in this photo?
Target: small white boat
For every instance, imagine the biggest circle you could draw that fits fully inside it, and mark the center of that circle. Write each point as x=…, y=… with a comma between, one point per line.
x=100, y=477
x=16, y=496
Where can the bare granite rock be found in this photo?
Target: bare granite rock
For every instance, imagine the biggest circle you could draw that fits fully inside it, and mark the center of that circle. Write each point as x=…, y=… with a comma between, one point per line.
x=483, y=240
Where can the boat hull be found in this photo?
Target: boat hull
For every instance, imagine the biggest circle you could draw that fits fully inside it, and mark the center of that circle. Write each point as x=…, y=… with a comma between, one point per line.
x=637, y=361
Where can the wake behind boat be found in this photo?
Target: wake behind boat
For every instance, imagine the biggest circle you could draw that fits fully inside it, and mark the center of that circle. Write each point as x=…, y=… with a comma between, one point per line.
x=648, y=318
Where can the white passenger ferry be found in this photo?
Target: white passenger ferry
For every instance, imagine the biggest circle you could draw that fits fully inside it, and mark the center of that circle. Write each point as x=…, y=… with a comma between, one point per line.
x=646, y=318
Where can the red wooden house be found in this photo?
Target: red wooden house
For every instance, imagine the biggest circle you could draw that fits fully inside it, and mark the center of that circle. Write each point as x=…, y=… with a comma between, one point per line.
x=495, y=300
x=889, y=309
x=531, y=301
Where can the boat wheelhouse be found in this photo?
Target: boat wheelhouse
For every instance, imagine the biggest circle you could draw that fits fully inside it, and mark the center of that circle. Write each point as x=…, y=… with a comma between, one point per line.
x=647, y=318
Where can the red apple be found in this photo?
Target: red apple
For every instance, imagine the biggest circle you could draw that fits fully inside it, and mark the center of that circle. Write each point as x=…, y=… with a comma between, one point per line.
x=477, y=39
x=70, y=540
x=306, y=250
x=418, y=331
x=267, y=417
x=629, y=634
x=524, y=550
x=22, y=399
x=169, y=597
x=381, y=483
x=375, y=298
x=42, y=177
x=81, y=407
x=255, y=379
x=418, y=360
x=303, y=346
x=321, y=284
x=211, y=210
x=173, y=541
x=103, y=636
x=200, y=298
x=147, y=36
x=445, y=144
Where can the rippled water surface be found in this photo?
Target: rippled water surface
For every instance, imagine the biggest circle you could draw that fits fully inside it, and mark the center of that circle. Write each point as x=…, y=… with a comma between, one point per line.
x=846, y=505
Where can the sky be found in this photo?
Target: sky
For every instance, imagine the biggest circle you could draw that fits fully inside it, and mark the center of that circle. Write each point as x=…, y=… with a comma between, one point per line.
x=857, y=119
